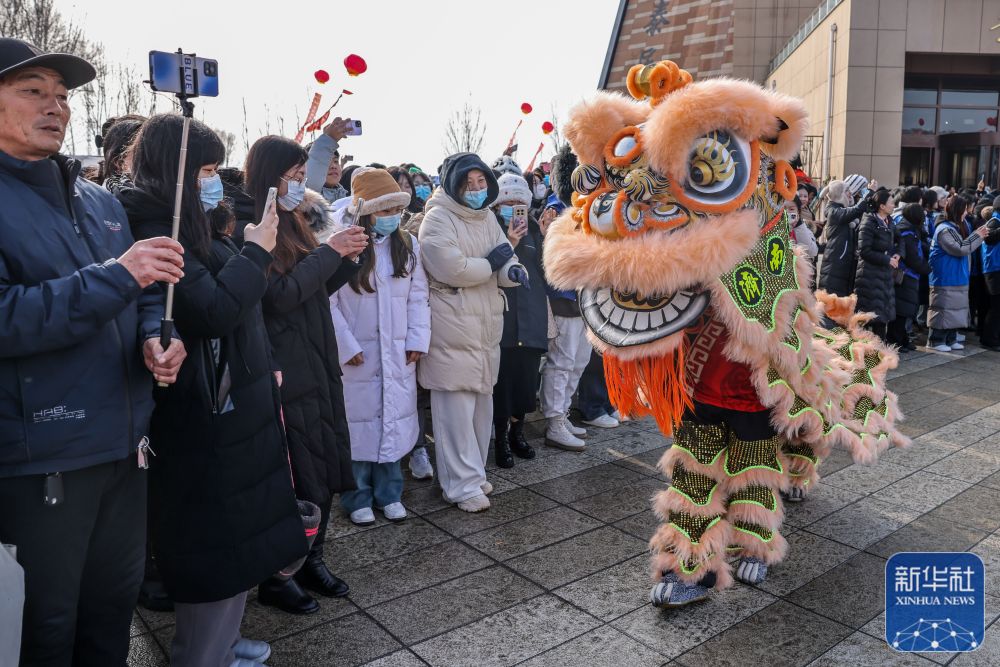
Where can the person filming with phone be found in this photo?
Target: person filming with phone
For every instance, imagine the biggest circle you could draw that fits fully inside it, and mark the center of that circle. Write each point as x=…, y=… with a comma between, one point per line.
x=79, y=349
x=224, y=516
x=525, y=325
x=323, y=167
x=297, y=313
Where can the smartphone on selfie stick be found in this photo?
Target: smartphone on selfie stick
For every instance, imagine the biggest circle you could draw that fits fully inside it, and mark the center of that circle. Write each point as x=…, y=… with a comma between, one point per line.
x=186, y=76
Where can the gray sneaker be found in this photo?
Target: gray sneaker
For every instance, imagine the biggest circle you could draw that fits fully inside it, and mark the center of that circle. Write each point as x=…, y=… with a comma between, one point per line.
x=750, y=570
x=672, y=592
x=420, y=464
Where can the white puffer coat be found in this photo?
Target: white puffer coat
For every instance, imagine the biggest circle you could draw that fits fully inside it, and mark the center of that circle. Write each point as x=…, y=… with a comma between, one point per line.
x=466, y=301
x=381, y=394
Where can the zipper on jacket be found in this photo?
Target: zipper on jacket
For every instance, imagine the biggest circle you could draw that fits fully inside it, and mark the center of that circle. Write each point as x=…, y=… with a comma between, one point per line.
x=70, y=188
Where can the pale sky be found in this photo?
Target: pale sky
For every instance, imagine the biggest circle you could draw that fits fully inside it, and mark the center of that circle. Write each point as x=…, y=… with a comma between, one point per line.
x=425, y=59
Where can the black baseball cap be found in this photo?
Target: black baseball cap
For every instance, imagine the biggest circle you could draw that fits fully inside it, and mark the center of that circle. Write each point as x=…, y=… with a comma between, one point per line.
x=16, y=54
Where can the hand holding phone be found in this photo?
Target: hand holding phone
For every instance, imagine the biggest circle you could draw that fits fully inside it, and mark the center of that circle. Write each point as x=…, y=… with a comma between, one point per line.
x=265, y=233
x=354, y=128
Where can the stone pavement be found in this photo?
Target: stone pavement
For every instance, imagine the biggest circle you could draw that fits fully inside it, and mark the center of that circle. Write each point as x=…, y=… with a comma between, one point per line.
x=556, y=572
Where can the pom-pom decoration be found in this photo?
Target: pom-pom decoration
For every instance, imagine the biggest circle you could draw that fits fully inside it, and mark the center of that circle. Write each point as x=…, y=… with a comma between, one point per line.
x=355, y=65
x=548, y=127
x=322, y=76
x=525, y=108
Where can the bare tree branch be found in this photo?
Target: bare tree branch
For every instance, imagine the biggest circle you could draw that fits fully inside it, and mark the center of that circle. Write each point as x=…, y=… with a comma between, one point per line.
x=465, y=131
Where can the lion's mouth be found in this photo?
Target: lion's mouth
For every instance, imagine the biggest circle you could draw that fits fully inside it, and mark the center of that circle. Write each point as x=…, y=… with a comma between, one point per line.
x=624, y=319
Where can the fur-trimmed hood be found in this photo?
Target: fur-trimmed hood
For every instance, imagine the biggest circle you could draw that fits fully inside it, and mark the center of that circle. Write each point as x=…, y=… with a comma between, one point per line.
x=319, y=213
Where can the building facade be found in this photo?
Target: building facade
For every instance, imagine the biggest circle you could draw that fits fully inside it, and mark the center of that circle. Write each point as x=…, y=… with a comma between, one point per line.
x=905, y=91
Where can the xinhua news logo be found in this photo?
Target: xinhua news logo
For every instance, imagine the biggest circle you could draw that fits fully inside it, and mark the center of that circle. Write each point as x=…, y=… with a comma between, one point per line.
x=935, y=602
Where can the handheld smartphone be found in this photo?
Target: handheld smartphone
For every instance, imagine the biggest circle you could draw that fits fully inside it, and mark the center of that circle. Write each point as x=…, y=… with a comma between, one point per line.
x=183, y=74
x=272, y=195
x=356, y=219
x=355, y=129
x=520, y=217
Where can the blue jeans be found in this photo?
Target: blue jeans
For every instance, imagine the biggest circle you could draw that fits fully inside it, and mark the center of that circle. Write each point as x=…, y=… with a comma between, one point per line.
x=593, y=401
x=945, y=336
x=379, y=484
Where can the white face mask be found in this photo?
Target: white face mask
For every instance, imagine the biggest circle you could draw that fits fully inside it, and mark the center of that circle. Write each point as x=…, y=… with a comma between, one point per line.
x=296, y=193
x=540, y=190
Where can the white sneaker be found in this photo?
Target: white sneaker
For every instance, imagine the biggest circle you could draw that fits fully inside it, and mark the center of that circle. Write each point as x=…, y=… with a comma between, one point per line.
x=960, y=337
x=363, y=517
x=252, y=650
x=574, y=429
x=604, y=421
x=475, y=504
x=617, y=415
x=558, y=435
x=394, y=512
x=487, y=488
x=941, y=348
x=957, y=346
x=420, y=464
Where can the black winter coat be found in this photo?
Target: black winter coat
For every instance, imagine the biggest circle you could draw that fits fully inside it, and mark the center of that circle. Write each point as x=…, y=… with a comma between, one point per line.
x=223, y=513
x=914, y=253
x=839, y=265
x=297, y=314
x=526, y=319
x=874, y=286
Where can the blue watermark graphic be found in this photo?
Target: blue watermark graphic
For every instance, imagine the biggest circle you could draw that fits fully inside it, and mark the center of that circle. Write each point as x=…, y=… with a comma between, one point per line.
x=935, y=602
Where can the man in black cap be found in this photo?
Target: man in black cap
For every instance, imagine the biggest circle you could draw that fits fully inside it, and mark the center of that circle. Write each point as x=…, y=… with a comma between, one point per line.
x=80, y=313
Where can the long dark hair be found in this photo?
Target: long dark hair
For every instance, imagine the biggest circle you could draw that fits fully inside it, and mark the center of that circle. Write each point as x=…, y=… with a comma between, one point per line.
x=155, y=157
x=398, y=172
x=268, y=160
x=117, y=135
x=400, y=248
x=957, y=207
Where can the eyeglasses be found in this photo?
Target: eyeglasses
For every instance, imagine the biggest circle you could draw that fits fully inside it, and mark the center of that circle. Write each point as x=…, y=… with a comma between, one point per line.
x=289, y=179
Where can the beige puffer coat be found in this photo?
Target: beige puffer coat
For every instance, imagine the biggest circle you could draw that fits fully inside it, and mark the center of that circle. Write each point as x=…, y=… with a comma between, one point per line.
x=466, y=302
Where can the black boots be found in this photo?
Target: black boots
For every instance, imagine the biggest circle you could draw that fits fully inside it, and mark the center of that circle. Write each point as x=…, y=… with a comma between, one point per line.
x=287, y=596
x=316, y=576
x=501, y=451
x=518, y=444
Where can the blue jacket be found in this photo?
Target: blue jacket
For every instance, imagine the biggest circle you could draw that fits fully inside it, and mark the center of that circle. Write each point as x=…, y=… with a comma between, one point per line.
x=947, y=270
x=74, y=391
x=990, y=250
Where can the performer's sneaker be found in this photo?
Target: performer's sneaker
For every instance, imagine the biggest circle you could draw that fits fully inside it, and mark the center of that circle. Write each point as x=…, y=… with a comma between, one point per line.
x=795, y=494
x=672, y=592
x=751, y=570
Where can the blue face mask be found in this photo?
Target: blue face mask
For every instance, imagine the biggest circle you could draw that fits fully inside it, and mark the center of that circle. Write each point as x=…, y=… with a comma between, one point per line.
x=423, y=192
x=476, y=199
x=210, y=190
x=296, y=193
x=386, y=225
x=506, y=212
x=546, y=180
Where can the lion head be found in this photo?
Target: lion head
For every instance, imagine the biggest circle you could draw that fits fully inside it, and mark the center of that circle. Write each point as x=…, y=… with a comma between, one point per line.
x=670, y=198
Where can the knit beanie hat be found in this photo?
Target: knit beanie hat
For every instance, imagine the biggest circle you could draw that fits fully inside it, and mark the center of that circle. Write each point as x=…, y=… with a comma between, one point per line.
x=379, y=190
x=941, y=193
x=855, y=183
x=514, y=188
x=505, y=165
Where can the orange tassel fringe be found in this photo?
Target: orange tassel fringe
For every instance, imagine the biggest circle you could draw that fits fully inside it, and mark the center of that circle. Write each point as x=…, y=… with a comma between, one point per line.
x=649, y=386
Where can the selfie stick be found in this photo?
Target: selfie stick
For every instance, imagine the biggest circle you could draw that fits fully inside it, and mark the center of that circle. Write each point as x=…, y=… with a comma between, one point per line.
x=187, y=109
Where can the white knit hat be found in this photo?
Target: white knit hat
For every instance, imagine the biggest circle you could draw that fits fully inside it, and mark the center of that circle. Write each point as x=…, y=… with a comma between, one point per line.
x=514, y=188
x=856, y=183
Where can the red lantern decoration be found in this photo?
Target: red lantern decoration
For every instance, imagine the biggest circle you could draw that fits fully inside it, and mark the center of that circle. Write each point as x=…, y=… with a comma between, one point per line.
x=547, y=127
x=322, y=76
x=355, y=65
x=992, y=121
x=525, y=108
x=920, y=122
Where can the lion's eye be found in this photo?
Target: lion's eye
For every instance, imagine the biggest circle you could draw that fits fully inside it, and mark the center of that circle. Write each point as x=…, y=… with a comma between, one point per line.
x=624, y=146
x=717, y=167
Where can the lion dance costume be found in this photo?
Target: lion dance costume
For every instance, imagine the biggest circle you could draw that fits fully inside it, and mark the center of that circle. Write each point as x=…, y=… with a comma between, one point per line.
x=679, y=249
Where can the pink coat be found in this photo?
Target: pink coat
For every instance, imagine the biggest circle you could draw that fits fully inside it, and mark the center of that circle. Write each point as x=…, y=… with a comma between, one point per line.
x=381, y=394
